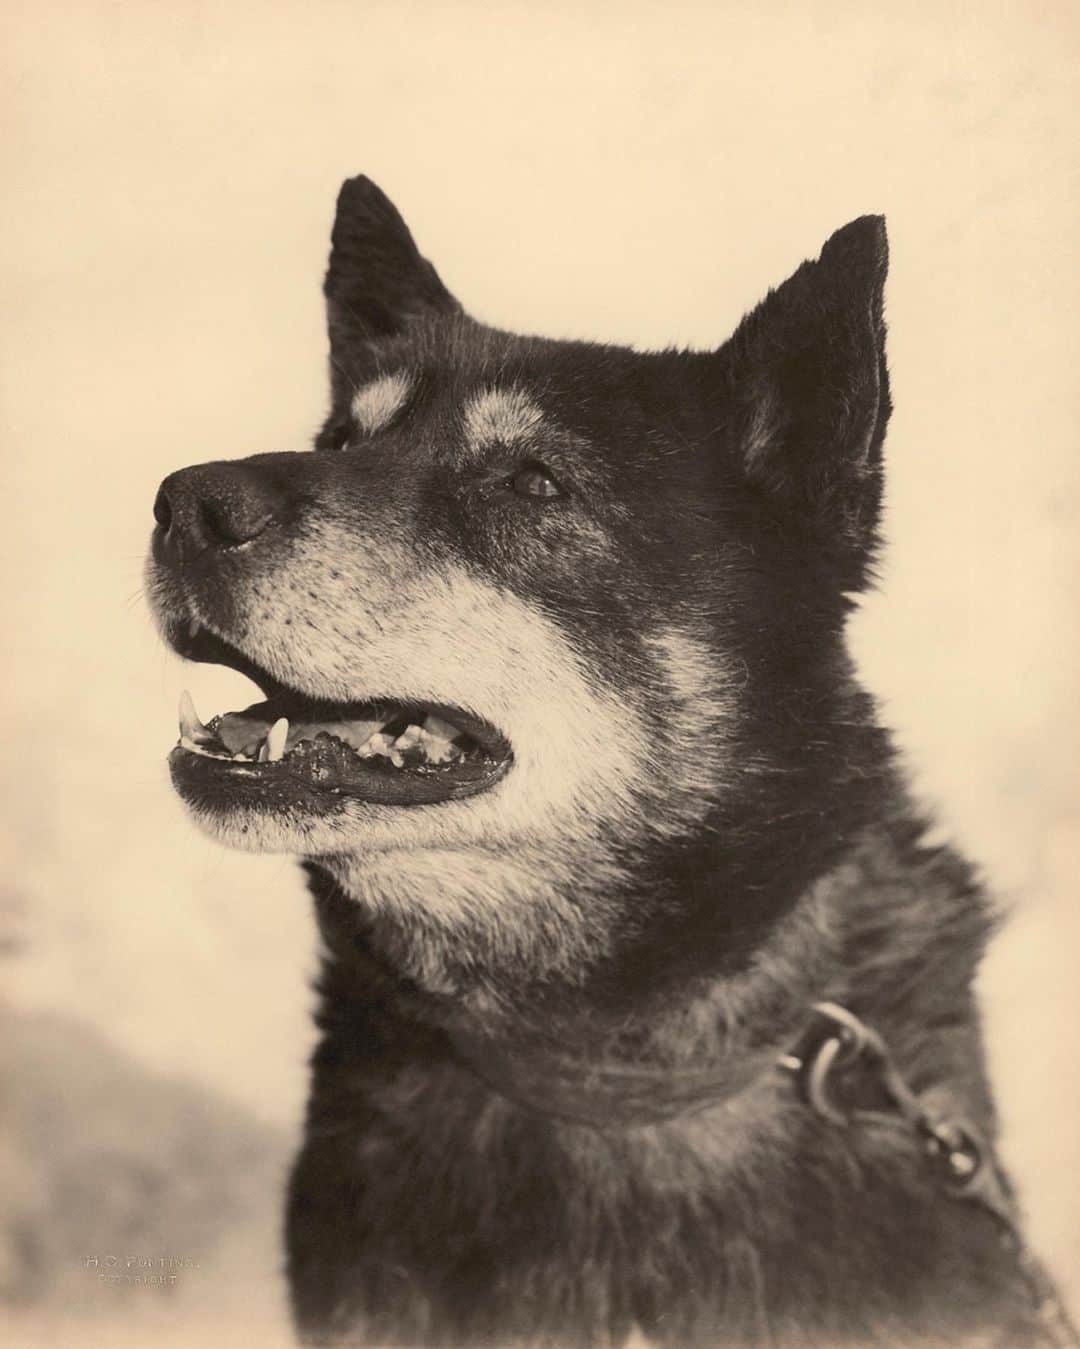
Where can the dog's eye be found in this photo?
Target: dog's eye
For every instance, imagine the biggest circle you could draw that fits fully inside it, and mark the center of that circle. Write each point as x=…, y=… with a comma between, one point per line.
x=534, y=481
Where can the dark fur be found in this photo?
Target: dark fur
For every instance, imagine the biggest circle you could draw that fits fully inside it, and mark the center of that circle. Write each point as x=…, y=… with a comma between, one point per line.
x=438, y=1199
x=427, y=1210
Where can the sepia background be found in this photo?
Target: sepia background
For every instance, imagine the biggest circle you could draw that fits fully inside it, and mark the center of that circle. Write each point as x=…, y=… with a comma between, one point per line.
x=635, y=172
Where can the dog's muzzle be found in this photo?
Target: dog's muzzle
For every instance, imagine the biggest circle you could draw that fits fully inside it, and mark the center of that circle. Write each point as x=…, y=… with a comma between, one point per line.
x=217, y=525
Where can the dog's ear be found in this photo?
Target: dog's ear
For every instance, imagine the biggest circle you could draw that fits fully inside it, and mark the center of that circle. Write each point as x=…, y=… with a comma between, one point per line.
x=809, y=387
x=376, y=283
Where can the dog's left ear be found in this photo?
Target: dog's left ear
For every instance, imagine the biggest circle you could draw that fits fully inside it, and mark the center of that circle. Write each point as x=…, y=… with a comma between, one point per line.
x=809, y=388
x=377, y=283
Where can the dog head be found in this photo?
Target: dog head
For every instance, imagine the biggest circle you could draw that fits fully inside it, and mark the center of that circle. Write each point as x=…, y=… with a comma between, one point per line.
x=535, y=615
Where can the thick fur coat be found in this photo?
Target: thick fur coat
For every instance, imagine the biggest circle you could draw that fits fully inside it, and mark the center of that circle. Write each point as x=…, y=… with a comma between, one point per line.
x=545, y=1107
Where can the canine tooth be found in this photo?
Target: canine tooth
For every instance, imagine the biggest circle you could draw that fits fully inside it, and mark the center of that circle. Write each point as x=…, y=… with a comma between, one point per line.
x=275, y=740
x=263, y=752
x=190, y=725
x=397, y=759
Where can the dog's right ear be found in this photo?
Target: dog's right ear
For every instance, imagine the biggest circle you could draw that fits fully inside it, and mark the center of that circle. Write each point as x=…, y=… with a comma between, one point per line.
x=376, y=284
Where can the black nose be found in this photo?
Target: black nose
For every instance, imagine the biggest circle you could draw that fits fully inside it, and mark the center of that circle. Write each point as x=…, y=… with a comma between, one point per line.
x=214, y=506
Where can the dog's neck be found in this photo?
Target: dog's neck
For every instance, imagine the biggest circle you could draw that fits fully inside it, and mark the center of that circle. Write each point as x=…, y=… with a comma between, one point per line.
x=893, y=931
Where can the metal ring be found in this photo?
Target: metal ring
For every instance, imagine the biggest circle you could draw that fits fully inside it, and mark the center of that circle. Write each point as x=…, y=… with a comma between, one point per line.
x=855, y=1037
x=817, y=1078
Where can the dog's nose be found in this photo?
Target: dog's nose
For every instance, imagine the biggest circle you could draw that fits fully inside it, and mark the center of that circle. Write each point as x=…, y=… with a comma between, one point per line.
x=214, y=506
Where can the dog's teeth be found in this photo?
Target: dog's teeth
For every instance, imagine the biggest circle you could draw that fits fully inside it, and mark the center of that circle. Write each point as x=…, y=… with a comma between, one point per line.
x=261, y=756
x=275, y=740
x=397, y=759
x=187, y=714
x=191, y=728
x=445, y=730
x=412, y=735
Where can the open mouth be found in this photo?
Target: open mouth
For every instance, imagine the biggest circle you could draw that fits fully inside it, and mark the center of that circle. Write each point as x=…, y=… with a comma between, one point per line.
x=292, y=748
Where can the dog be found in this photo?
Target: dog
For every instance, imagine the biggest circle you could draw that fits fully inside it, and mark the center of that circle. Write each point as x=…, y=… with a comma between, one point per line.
x=558, y=713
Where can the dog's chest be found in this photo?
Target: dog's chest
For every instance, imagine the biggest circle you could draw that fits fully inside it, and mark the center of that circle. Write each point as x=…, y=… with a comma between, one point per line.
x=743, y=1225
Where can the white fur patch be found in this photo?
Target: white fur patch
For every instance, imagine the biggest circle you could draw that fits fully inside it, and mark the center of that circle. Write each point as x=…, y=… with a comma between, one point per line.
x=376, y=404
x=700, y=706
x=387, y=628
x=501, y=417
x=526, y=869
